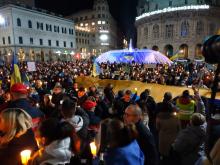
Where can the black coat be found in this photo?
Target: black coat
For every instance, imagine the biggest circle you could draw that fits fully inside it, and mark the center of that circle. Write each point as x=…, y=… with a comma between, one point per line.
x=25, y=105
x=10, y=153
x=213, y=134
x=147, y=144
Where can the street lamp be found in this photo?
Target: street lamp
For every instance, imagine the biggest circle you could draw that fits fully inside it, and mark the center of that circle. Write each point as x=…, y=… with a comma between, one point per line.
x=103, y=37
x=2, y=20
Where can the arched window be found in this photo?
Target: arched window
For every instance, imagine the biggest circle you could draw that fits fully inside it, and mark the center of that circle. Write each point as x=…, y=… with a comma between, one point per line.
x=146, y=32
x=199, y=28
x=18, y=22
x=156, y=32
x=29, y=24
x=184, y=28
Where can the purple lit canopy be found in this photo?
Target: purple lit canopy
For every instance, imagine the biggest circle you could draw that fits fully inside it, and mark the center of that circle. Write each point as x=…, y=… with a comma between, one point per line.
x=145, y=56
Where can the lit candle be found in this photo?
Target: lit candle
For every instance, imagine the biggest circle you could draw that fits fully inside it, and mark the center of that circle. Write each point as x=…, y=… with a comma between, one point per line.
x=25, y=156
x=93, y=148
x=37, y=105
x=50, y=97
x=175, y=113
x=85, y=89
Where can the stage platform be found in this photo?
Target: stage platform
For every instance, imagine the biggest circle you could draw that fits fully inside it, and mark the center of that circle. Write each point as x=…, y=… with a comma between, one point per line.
x=157, y=91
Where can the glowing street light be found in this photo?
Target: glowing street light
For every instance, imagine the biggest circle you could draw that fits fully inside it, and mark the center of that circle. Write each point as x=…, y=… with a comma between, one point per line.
x=103, y=37
x=2, y=20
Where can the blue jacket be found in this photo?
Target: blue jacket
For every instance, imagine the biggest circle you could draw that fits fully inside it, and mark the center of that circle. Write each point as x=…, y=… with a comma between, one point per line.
x=127, y=155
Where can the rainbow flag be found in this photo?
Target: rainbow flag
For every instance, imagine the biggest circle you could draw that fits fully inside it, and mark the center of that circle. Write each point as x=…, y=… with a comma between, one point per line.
x=15, y=72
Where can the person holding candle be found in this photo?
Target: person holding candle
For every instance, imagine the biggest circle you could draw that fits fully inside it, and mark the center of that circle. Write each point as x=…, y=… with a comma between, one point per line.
x=16, y=135
x=59, y=142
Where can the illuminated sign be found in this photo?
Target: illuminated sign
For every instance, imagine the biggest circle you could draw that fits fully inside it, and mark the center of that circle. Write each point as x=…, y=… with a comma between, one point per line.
x=105, y=44
x=103, y=31
x=171, y=9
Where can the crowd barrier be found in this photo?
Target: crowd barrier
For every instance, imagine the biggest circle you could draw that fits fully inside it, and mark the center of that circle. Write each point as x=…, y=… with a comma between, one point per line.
x=157, y=90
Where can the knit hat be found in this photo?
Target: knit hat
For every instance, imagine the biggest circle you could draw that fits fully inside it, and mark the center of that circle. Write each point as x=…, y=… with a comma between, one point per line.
x=88, y=104
x=19, y=88
x=198, y=119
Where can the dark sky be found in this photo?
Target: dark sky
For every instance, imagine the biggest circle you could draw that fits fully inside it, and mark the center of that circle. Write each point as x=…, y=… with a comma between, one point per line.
x=124, y=11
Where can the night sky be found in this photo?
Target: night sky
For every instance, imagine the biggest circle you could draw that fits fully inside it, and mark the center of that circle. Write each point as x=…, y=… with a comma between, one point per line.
x=124, y=11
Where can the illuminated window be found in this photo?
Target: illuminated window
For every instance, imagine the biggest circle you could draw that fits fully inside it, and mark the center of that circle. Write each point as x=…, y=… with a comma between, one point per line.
x=81, y=24
x=86, y=24
x=99, y=22
x=103, y=22
x=93, y=23
x=184, y=28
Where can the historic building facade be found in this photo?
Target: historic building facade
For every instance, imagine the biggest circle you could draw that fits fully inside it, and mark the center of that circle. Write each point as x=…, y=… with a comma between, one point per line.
x=100, y=27
x=176, y=26
x=35, y=34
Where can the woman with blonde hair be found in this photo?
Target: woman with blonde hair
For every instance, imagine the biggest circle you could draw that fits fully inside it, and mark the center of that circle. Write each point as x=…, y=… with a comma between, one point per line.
x=16, y=135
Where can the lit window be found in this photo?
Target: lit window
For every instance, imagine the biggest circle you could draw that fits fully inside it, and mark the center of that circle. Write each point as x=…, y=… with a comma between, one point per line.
x=81, y=24
x=184, y=28
x=93, y=23
x=99, y=22
x=103, y=22
x=86, y=24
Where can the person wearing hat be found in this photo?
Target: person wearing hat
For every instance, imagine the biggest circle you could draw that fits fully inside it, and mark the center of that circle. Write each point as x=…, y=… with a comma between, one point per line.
x=186, y=106
x=189, y=144
x=94, y=121
x=19, y=94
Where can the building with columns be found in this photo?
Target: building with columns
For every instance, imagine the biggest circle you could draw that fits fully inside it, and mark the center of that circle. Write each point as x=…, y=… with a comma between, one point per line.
x=99, y=27
x=176, y=26
x=35, y=34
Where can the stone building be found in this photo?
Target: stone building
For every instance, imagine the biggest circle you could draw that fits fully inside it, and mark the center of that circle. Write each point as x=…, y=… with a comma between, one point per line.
x=176, y=26
x=35, y=34
x=100, y=27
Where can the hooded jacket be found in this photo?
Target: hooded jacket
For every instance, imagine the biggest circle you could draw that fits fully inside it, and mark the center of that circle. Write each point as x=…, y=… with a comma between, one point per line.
x=58, y=152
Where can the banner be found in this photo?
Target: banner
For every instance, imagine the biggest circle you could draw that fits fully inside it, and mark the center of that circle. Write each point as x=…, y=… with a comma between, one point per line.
x=31, y=66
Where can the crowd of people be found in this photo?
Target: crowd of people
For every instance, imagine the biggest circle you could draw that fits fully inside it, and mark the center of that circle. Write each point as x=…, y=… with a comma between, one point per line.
x=55, y=118
x=178, y=74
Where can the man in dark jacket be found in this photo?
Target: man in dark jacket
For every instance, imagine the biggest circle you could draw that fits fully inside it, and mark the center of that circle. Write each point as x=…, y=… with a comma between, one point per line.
x=19, y=100
x=145, y=139
x=150, y=104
